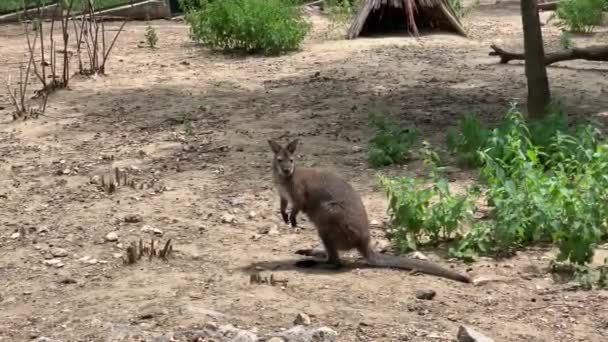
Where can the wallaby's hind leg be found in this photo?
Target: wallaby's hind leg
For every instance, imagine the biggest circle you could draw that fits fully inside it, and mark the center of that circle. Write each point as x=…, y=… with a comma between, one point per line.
x=316, y=253
x=330, y=251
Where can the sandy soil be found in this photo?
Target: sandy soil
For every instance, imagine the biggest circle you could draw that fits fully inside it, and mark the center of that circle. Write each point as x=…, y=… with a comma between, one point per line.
x=213, y=195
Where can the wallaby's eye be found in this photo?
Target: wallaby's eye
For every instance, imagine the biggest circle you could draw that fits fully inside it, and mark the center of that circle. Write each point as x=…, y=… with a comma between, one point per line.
x=291, y=160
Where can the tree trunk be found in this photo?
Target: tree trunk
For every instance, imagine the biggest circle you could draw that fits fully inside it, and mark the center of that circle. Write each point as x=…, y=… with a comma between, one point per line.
x=536, y=72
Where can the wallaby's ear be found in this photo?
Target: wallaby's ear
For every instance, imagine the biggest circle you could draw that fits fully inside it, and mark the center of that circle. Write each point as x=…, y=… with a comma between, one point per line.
x=291, y=147
x=274, y=146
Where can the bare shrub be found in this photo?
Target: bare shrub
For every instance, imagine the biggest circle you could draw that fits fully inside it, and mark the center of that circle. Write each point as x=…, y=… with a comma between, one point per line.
x=91, y=37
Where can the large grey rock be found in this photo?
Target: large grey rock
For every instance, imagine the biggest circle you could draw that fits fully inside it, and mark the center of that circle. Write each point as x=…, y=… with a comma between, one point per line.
x=300, y=333
x=468, y=334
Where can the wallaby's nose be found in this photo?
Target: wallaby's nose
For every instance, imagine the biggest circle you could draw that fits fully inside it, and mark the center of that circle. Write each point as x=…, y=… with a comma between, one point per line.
x=286, y=170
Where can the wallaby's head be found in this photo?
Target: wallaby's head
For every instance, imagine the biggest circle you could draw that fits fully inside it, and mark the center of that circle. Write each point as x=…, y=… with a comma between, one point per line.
x=283, y=157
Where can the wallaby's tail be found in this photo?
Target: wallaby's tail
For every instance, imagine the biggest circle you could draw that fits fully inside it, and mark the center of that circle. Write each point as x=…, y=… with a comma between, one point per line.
x=384, y=260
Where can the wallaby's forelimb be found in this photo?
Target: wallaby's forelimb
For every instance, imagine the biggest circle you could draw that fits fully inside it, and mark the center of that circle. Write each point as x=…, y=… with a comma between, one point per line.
x=284, y=210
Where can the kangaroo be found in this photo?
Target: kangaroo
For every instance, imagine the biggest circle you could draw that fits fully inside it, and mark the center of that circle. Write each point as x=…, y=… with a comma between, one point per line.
x=337, y=212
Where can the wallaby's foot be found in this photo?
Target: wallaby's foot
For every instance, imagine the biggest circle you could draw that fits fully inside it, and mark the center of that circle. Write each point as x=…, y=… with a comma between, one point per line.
x=285, y=217
x=292, y=220
x=313, y=252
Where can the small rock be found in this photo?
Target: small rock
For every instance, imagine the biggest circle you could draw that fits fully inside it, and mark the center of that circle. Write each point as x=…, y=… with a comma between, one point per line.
x=147, y=229
x=426, y=294
x=483, y=280
x=300, y=333
x=235, y=201
x=468, y=334
x=44, y=339
x=271, y=229
x=132, y=218
x=88, y=260
x=157, y=232
x=15, y=235
x=152, y=311
x=251, y=215
x=357, y=149
x=228, y=218
x=275, y=339
x=70, y=238
x=111, y=236
x=67, y=281
x=59, y=252
x=95, y=180
x=42, y=229
x=374, y=223
x=302, y=319
x=53, y=262
x=117, y=255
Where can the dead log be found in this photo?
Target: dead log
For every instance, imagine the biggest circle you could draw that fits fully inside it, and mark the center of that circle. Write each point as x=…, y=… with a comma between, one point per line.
x=547, y=6
x=591, y=53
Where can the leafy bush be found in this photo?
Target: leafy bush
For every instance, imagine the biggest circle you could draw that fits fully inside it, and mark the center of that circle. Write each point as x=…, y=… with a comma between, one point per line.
x=151, y=36
x=542, y=182
x=580, y=15
x=565, y=40
x=472, y=137
x=419, y=211
x=564, y=204
x=468, y=141
x=253, y=26
x=391, y=143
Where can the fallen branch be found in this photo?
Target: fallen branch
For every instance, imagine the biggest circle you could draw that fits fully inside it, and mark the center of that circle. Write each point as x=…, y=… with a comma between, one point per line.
x=547, y=6
x=592, y=53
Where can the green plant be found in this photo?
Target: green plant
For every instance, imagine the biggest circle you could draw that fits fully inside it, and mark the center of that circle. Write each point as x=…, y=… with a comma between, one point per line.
x=419, y=211
x=565, y=40
x=252, y=26
x=466, y=142
x=579, y=16
x=186, y=122
x=151, y=36
x=459, y=8
x=563, y=204
x=391, y=143
x=341, y=11
x=602, y=281
x=583, y=277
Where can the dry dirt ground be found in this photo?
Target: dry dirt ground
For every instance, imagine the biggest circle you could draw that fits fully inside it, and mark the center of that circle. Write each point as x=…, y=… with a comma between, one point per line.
x=211, y=189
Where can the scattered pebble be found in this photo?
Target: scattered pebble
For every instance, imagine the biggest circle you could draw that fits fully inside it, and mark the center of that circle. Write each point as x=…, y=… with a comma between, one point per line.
x=228, y=218
x=59, y=252
x=111, y=236
x=468, y=334
x=132, y=218
x=53, y=262
x=302, y=319
x=426, y=294
x=15, y=236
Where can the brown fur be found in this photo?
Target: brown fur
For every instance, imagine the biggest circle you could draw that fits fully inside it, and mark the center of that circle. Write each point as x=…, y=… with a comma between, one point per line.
x=337, y=212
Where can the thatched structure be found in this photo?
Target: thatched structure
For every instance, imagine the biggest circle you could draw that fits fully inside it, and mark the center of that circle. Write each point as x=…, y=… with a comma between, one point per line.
x=380, y=16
